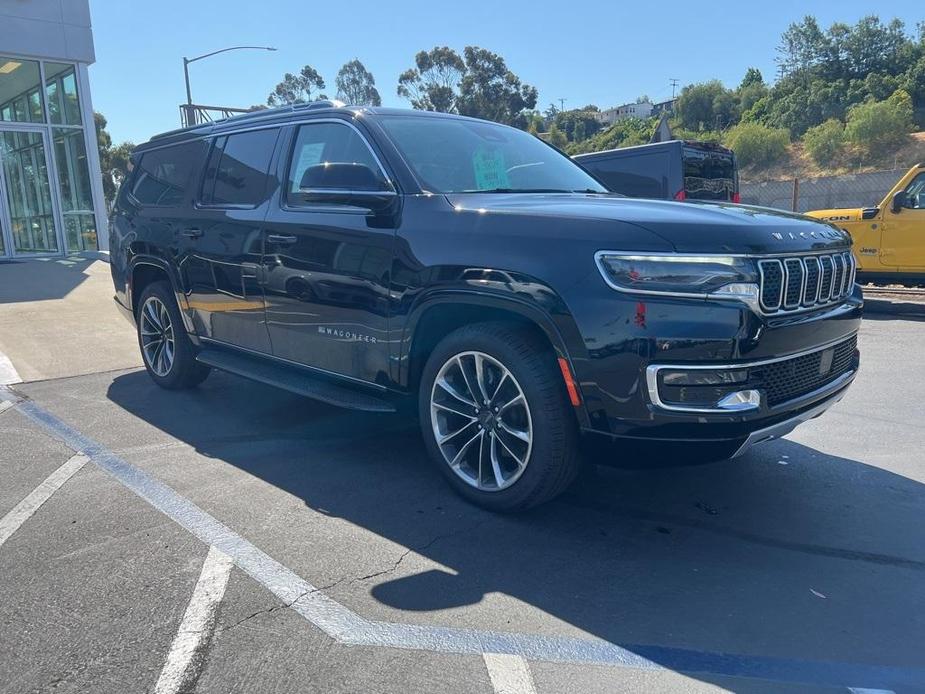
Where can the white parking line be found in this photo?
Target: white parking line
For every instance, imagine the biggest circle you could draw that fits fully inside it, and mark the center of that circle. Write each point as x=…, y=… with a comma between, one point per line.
x=197, y=625
x=8, y=373
x=509, y=674
x=10, y=523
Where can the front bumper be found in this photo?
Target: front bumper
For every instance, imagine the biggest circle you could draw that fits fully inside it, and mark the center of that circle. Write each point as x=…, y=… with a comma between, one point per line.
x=633, y=341
x=783, y=428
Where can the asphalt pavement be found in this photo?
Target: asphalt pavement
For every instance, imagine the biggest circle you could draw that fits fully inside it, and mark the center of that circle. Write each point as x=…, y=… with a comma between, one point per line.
x=235, y=538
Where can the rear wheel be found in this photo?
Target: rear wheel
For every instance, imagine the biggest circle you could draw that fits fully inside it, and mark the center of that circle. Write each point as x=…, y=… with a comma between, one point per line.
x=167, y=352
x=496, y=419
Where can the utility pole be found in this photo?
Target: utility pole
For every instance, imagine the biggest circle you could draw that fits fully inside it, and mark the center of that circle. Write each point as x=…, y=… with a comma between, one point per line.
x=562, y=104
x=674, y=86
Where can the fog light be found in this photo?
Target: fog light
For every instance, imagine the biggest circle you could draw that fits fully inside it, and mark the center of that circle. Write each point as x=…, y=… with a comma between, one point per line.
x=740, y=400
x=704, y=377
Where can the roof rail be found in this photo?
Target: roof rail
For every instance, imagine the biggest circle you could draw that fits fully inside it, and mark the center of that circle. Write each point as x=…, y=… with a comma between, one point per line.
x=259, y=115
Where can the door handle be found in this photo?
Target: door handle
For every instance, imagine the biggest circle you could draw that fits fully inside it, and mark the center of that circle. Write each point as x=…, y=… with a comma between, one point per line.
x=192, y=233
x=282, y=239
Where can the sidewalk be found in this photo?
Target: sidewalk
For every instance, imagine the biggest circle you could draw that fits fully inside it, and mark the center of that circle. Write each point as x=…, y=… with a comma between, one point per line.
x=57, y=319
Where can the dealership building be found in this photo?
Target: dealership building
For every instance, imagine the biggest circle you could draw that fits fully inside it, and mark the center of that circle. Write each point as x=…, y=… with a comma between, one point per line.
x=51, y=192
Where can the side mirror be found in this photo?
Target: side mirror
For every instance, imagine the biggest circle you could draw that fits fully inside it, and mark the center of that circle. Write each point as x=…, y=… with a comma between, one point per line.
x=899, y=202
x=342, y=183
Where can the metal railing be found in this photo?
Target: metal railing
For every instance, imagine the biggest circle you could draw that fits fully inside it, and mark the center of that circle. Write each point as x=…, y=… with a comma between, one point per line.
x=198, y=114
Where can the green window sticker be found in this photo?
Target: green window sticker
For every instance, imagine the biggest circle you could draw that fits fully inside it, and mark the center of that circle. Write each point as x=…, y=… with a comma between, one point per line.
x=490, y=169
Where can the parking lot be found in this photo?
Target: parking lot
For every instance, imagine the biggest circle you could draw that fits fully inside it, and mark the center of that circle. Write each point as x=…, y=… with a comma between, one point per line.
x=237, y=538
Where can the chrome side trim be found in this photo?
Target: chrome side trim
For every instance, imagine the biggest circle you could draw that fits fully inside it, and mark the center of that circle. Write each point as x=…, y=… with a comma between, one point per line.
x=653, y=369
x=783, y=428
x=289, y=362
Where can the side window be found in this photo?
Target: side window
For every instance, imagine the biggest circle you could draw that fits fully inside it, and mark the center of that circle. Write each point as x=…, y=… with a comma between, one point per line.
x=915, y=193
x=237, y=171
x=163, y=174
x=325, y=143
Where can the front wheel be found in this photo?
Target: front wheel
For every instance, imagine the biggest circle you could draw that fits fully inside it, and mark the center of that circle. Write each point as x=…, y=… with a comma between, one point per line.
x=496, y=418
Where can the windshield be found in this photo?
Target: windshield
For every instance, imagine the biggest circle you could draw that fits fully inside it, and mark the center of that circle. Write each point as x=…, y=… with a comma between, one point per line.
x=452, y=155
x=708, y=175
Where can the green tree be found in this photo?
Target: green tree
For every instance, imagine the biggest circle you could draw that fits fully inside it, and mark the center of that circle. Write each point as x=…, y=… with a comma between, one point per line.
x=706, y=106
x=433, y=83
x=825, y=142
x=356, y=85
x=114, y=161
x=577, y=124
x=756, y=144
x=878, y=125
x=490, y=90
x=752, y=77
x=556, y=137
x=297, y=89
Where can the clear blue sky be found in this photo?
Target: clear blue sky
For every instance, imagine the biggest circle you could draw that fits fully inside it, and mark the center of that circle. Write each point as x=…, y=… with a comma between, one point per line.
x=604, y=52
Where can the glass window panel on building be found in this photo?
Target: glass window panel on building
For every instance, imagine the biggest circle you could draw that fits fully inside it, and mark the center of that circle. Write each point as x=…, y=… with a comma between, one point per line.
x=20, y=91
x=28, y=192
x=76, y=189
x=61, y=93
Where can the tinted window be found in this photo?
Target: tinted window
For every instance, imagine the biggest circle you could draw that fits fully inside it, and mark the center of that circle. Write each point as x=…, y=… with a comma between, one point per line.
x=453, y=155
x=238, y=167
x=637, y=176
x=708, y=175
x=162, y=174
x=326, y=143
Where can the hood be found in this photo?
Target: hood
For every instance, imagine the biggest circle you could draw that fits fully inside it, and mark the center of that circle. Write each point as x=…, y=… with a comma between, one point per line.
x=690, y=227
x=839, y=216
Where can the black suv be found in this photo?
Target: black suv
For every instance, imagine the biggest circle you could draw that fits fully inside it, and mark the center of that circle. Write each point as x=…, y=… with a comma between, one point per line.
x=363, y=256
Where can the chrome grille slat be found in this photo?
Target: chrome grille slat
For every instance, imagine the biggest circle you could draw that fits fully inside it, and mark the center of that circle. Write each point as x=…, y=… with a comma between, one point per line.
x=813, y=276
x=794, y=279
x=799, y=283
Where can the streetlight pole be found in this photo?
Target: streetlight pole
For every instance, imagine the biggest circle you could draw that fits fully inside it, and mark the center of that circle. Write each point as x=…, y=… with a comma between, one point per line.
x=187, y=61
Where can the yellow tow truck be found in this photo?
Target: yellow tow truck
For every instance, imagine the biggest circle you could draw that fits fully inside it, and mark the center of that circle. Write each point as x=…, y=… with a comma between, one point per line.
x=889, y=240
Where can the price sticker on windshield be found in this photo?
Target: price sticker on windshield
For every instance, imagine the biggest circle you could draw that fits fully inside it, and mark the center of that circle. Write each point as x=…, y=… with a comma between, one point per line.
x=490, y=169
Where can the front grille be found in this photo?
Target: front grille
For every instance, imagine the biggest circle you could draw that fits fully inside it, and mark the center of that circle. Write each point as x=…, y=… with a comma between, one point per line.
x=788, y=284
x=791, y=378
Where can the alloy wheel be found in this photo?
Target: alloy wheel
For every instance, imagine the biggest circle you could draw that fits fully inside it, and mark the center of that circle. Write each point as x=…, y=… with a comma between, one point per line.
x=157, y=336
x=481, y=421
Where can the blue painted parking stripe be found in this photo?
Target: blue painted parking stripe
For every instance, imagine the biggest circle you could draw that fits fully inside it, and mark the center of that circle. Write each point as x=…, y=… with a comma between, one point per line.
x=347, y=627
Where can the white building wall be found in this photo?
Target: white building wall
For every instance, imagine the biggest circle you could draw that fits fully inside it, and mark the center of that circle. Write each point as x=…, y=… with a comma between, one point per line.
x=47, y=29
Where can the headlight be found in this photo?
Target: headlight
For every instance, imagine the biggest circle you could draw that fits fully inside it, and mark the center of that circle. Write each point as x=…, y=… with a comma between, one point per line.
x=704, y=276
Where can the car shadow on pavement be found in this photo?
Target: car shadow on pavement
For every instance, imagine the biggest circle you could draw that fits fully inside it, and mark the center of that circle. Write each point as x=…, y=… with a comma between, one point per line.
x=41, y=279
x=787, y=553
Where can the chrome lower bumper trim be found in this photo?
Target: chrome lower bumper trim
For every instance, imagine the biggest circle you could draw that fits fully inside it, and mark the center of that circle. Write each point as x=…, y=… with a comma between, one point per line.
x=788, y=425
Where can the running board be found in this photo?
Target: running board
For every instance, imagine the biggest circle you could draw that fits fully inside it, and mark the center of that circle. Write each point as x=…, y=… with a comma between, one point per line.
x=293, y=380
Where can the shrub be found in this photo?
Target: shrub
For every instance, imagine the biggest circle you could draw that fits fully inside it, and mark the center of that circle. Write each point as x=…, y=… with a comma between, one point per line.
x=825, y=142
x=756, y=144
x=880, y=124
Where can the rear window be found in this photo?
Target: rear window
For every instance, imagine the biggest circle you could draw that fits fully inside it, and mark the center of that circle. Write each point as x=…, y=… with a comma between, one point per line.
x=238, y=167
x=708, y=175
x=162, y=174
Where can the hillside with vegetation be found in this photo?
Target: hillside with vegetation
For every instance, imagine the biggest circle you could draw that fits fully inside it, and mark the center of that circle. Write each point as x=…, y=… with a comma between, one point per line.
x=846, y=99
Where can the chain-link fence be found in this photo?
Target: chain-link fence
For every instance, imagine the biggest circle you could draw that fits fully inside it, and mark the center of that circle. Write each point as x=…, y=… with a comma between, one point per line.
x=826, y=192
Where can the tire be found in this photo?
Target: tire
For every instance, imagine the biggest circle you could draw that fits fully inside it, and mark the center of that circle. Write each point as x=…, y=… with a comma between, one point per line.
x=160, y=327
x=513, y=360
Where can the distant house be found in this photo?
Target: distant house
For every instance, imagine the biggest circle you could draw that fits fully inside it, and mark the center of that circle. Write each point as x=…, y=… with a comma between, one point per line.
x=664, y=107
x=617, y=113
